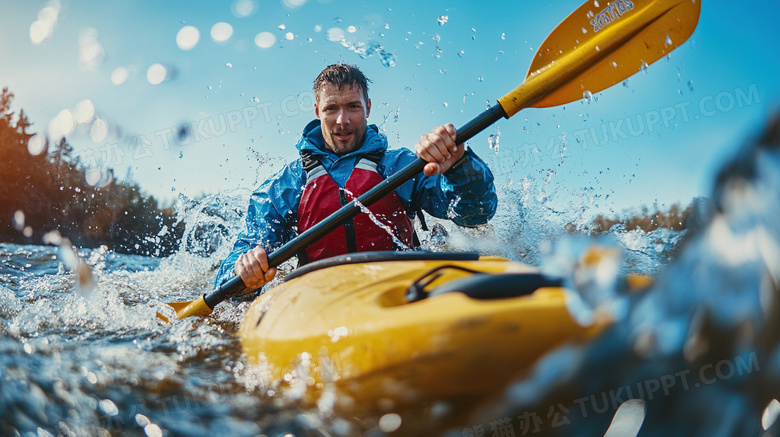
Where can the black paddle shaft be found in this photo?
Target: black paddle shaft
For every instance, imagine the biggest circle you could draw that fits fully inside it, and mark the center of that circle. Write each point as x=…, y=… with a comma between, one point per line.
x=235, y=285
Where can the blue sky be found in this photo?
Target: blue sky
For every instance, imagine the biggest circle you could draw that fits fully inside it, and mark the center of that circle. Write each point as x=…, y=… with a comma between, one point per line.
x=657, y=138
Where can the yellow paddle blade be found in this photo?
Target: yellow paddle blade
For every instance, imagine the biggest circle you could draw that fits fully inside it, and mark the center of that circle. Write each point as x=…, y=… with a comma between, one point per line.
x=599, y=45
x=195, y=308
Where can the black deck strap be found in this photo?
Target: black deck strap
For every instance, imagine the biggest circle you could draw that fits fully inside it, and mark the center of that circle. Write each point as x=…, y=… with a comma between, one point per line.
x=349, y=225
x=485, y=286
x=416, y=290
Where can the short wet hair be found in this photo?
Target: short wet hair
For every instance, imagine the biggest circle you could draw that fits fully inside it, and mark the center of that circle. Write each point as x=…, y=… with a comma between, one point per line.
x=340, y=75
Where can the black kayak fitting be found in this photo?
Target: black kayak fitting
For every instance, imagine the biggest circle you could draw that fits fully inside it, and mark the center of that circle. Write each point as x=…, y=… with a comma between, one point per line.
x=483, y=286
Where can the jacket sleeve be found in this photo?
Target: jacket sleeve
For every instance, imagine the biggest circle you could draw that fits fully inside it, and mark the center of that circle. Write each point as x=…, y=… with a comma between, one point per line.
x=270, y=218
x=464, y=194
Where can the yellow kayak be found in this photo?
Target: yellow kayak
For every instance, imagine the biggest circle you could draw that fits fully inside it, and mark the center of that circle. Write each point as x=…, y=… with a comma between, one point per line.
x=390, y=330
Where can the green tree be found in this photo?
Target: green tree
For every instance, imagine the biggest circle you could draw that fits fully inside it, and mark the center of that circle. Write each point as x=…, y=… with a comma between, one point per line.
x=51, y=191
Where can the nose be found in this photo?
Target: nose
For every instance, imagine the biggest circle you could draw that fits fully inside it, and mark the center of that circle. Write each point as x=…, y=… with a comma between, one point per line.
x=343, y=117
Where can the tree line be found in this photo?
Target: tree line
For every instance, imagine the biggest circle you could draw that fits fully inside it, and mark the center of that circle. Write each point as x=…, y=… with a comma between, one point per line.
x=48, y=191
x=676, y=218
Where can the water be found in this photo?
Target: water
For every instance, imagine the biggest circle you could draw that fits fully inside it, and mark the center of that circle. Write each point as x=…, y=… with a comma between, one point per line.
x=94, y=360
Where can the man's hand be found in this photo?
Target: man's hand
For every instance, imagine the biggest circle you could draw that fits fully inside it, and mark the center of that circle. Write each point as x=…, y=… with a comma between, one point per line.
x=253, y=268
x=439, y=149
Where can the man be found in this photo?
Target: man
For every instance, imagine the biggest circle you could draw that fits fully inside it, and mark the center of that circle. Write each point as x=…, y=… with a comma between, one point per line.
x=341, y=158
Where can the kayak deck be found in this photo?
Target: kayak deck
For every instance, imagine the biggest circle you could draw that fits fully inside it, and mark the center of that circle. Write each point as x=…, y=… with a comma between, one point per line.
x=352, y=328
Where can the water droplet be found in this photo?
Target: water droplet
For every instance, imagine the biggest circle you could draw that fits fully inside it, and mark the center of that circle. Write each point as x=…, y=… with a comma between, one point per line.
x=335, y=34
x=503, y=36
x=690, y=85
x=62, y=125
x=228, y=65
x=153, y=430
x=668, y=40
x=771, y=414
x=493, y=140
x=18, y=220
x=446, y=104
x=596, y=3
x=265, y=40
x=588, y=96
x=221, y=32
x=142, y=420
x=390, y=422
x=644, y=67
x=119, y=76
x=187, y=37
x=282, y=27
x=614, y=64
x=156, y=74
x=255, y=99
x=98, y=130
x=480, y=79
x=43, y=27
x=442, y=19
x=461, y=53
x=36, y=144
x=108, y=407
x=584, y=30
x=243, y=8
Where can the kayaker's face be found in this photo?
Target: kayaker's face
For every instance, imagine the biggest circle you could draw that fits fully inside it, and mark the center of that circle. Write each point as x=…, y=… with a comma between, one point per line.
x=343, y=113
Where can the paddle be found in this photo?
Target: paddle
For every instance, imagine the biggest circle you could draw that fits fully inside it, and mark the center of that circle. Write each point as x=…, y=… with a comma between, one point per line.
x=592, y=49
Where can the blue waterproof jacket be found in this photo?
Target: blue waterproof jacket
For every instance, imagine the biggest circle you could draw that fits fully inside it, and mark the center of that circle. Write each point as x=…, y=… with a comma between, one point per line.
x=466, y=194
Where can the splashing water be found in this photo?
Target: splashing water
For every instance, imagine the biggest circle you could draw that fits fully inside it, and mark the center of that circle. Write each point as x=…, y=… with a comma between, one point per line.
x=82, y=352
x=366, y=50
x=376, y=221
x=493, y=140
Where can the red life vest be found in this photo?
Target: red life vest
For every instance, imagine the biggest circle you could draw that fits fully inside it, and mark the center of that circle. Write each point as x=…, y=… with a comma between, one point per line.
x=322, y=196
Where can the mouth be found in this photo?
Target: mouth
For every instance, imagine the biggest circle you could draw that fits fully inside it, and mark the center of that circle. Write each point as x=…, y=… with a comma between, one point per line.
x=342, y=136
